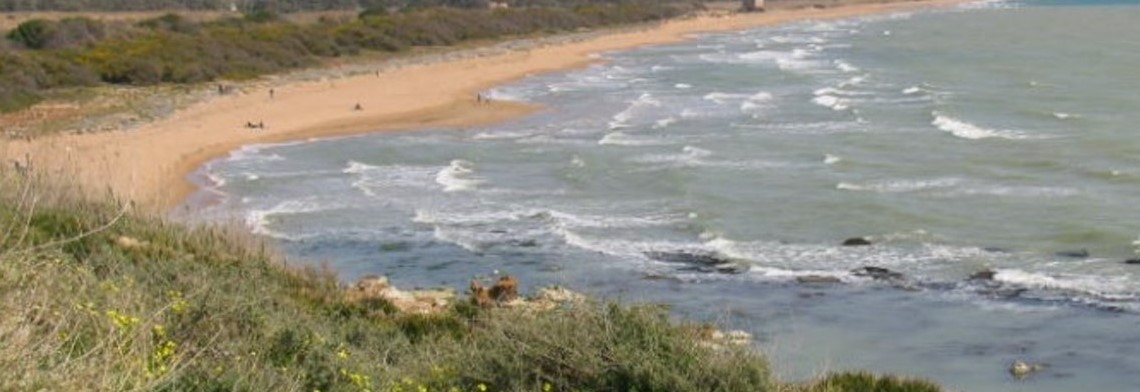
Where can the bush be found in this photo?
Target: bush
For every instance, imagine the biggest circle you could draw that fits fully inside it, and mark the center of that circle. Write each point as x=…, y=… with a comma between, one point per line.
x=867, y=382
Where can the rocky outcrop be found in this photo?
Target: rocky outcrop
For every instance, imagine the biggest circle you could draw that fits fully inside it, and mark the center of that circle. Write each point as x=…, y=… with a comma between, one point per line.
x=506, y=289
x=415, y=301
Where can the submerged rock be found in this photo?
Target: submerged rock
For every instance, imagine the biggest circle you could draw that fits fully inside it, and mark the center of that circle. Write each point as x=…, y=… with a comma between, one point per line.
x=1074, y=254
x=877, y=273
x=1132, y=261
x=700, y=261
x=857, y=241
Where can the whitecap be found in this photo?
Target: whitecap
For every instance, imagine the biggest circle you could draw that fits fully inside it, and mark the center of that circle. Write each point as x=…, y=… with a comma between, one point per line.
x=844, y=66
x=900, y=186
x=829, y=159
x=455, y=177
x=970, y=131
x=622, y=139
x=260, y=220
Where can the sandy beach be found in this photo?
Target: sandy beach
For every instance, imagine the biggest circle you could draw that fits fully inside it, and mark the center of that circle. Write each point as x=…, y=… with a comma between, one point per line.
x=150, y=164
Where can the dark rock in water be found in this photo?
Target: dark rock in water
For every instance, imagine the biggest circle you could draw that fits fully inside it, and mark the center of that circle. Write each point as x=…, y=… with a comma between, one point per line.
x=995, y=249
x=699, y=258
x=1075, y=254
x=527, y=243
x=817, y=279
x=986, y=274
x=1008, y=292
x=877, y=273
x=498, y=231
x=1132, y=261
x=856, y=241
x=699, y=261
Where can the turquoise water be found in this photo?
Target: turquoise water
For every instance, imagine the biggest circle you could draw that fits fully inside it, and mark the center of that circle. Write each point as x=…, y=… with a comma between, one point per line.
x=994, y=135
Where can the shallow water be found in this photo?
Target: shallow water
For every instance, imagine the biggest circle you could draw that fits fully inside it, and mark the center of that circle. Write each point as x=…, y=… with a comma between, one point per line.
x=994, y=135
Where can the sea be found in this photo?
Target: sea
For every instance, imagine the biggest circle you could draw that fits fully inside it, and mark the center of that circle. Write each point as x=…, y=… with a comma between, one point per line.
x=989, y=152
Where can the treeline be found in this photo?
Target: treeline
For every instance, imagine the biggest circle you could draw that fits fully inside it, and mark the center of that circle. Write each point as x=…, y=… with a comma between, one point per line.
x=248, y=5
x=42, y=54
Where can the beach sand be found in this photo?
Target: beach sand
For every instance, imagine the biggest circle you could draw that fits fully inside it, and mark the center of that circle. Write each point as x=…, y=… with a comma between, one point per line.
x=150, y=164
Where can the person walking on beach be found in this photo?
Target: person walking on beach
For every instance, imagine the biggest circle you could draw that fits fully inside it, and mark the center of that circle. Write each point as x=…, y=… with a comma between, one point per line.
x=271, y=93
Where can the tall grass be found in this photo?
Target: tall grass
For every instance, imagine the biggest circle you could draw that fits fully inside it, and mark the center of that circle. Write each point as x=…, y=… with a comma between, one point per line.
x=98, y=297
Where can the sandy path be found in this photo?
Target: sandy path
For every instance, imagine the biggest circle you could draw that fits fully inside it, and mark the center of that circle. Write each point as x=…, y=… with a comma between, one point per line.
x=150, y=164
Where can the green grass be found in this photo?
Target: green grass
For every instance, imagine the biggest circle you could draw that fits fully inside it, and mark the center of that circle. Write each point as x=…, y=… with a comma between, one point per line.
x=97, y=297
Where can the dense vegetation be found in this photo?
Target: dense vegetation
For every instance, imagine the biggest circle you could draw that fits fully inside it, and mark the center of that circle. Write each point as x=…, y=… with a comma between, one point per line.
x=96, y=297
x=249, y=5
x=44, y=54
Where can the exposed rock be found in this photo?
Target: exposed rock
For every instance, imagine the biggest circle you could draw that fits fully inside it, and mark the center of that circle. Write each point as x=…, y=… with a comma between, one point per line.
x=504, y=290
x=986, y=274
x=416, y=301
x=817, y=279
x=994, y=249
x=1132, y=261
x=700, y=261
x=552, y=297
x=1020, y=369
x=857, y=241
x=1074, y=254
x=877, y=273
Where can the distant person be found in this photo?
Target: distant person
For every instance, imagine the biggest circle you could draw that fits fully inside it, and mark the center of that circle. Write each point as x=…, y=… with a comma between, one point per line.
x=271, y=93
x=358, y=107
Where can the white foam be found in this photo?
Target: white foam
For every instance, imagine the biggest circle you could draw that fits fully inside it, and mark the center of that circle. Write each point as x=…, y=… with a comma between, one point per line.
x=970, y=131
x=913, y=90
x=455, y=177
x=502, y=135
x=355, y=167
x=830, y=101
x=829, y=159
x=259, y=220
x=683, y=86
x=216, y=180
x=900, y=186
x=577, y=161
x=844, y=66
x=665, y=122
x=1065, y=116
x=622, y=139
x=1107, y=287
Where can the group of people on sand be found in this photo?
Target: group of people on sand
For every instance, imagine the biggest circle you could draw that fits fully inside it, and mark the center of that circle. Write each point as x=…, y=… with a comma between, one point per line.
x=253, y=125
x=480, y=98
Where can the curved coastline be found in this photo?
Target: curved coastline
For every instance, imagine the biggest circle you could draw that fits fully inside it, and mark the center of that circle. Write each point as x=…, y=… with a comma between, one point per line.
x=151, y=165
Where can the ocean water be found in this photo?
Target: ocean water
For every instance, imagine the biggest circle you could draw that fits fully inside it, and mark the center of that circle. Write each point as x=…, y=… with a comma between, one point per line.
x=994, y=135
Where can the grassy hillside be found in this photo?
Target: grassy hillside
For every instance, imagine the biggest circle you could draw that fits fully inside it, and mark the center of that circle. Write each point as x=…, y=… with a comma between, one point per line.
x=97, y=297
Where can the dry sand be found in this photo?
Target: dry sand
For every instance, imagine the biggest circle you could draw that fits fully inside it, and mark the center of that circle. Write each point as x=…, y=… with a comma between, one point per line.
x=150, y=164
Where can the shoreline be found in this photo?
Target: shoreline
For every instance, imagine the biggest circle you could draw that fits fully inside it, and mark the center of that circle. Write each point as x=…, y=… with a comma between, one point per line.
x=151, y=165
